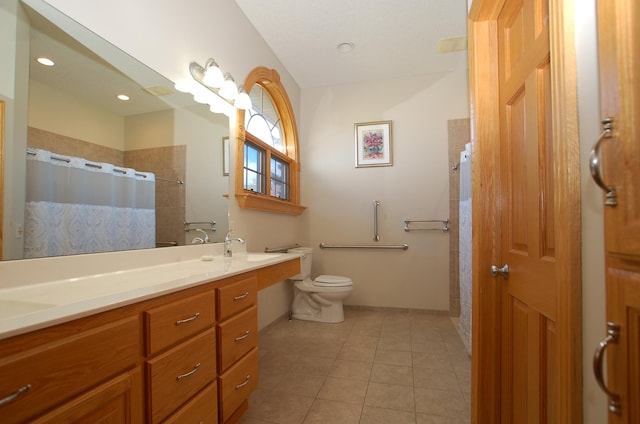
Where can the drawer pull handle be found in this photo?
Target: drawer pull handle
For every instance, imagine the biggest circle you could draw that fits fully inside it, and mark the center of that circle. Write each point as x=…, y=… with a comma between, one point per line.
x=244, y=336
x=242, y=296
x=190, y=373
x=246, y=381
x=186, y=320
x=13, y=396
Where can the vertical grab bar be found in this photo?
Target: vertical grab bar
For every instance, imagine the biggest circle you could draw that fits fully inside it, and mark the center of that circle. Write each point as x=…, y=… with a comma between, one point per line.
x=376, y=236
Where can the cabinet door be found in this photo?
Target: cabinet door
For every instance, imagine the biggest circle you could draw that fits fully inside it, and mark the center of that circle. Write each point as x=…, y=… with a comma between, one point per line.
x=118, y=401
x=619, y=56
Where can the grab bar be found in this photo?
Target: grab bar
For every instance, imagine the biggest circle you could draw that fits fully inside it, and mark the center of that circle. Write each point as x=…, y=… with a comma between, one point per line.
x=376, y=236
x=187, y=225
x=364, y=246
x=280, y=249
x=445, y=224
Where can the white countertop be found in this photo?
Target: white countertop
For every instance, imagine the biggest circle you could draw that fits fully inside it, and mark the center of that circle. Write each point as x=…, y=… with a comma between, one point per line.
x=27, y=307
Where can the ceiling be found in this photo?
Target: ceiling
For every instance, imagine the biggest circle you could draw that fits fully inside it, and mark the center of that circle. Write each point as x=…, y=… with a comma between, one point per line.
x=392, y=38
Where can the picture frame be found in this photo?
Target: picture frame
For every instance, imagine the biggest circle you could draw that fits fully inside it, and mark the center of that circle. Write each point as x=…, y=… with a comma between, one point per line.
x=225, y=156
x=373, y=144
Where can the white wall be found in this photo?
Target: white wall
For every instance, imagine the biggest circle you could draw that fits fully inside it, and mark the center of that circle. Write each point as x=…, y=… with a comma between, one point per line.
x=58, y=112
x=593, y=275
x=340, y=197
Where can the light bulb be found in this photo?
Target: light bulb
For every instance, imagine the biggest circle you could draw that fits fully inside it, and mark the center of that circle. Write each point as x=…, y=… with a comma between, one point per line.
x=212, y=75
x=243, y=101
x=229, y=90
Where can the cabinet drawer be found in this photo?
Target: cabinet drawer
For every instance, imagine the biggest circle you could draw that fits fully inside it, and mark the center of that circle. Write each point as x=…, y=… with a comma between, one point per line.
x=203, y=408
x=237, y=383
x=178, y=374
x=62, y=369
x=236, y=337
x=235, y=297
x=178, y=320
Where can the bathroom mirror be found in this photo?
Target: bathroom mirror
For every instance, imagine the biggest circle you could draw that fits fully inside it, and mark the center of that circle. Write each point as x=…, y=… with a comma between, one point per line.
x=73, y=111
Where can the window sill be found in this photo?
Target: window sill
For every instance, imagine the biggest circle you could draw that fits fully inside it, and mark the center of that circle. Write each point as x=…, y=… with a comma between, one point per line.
x=267, y=204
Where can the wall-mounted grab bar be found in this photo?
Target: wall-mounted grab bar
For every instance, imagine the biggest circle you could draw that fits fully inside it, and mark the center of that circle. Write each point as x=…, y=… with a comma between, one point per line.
x=188, y=226
x=280, y=249
x=376, y=236
x=170, y=180
x=364, y=246
x=408, y=222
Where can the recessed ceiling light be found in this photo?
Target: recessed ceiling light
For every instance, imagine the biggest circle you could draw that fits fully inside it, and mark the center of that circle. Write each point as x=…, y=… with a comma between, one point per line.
x=45, y=61
x=123, y=97
x=345, y=47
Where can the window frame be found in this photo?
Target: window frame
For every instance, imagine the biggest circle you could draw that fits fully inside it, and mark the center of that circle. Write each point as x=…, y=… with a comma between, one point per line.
x=269, y=80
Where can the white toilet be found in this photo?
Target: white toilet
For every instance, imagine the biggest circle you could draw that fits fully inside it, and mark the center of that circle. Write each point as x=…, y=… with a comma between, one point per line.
x=320, y=299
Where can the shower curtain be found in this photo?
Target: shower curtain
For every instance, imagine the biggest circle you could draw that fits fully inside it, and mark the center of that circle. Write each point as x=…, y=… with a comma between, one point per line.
x=465, y=245
x=77, y=206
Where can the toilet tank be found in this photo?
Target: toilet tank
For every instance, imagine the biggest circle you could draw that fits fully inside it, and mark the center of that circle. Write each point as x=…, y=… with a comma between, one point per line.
x=305, y=262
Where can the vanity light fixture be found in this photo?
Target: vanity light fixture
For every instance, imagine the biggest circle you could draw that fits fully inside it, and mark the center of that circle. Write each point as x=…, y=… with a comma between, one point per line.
x=229, y=89
x=243, y=101
x=210, y=86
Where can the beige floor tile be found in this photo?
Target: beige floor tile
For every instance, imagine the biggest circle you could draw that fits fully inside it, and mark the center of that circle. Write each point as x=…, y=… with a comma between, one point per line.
x=393, y=357
x=395, y=343
x=354, y=370
x=357, y=340
x=392, y=374
x=433, y=378
x=373, y=415
x=311, y=365
x=432, y=419
x=353, y=353
x=328, y=411
x=432, y=360
x=390, y=396
x=295, y=383
x=343, y=390
x=281, y=408
x=441, y=403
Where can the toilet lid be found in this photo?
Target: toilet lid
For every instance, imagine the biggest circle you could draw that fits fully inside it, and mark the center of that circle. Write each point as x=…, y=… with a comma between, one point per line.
x=332, y=281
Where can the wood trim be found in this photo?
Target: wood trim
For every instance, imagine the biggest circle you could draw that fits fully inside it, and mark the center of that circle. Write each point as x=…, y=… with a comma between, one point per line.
x=566, y=152
x=2, y=109
x=269, y=79
x=485, y=136
x=483, y=62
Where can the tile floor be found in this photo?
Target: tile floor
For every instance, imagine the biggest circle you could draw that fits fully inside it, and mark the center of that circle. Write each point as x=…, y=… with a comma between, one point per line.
x=378, y=366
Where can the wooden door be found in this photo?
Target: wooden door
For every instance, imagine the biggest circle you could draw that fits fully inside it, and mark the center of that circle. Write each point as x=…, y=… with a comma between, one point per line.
x=619, y=56
x=526, y=346
x=526, y=175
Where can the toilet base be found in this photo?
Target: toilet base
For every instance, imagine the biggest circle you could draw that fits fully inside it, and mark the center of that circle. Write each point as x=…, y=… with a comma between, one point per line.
x=310, y=307
x=334, y=318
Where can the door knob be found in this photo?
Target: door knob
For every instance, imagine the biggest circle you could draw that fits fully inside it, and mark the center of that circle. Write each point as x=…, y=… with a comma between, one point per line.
x=504, y=271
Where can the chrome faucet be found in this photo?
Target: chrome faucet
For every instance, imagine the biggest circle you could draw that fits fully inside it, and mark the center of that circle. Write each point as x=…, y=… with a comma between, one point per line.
x=201, y=240
x=228, y=242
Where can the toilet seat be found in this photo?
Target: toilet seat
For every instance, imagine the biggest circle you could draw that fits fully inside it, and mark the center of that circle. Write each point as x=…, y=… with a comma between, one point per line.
x=332, y=281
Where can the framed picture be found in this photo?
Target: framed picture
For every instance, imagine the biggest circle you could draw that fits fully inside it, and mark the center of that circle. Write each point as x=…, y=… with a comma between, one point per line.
x=225, y=156
x=373, y=144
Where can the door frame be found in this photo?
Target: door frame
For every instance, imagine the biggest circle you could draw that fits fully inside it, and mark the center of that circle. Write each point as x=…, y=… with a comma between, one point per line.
x=485, y=141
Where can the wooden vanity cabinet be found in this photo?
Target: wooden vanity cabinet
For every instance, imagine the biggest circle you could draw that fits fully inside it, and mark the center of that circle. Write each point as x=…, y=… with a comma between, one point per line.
x=188, y=356
x=81, y=368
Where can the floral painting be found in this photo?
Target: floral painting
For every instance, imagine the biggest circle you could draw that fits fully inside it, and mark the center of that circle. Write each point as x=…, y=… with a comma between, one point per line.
x=373, y=144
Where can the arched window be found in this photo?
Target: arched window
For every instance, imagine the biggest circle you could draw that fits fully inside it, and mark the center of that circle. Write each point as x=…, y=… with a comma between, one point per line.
x=267, y=162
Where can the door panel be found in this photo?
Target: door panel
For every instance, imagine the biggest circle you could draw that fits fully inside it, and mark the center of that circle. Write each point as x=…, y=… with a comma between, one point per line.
x=619, y=58
x=529, y=294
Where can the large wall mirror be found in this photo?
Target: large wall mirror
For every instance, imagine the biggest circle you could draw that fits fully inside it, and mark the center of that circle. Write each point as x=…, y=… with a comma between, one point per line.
x=72, y=113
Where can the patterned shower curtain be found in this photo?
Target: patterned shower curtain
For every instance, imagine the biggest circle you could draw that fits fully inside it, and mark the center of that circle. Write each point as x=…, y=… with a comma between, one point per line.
x=77, y=206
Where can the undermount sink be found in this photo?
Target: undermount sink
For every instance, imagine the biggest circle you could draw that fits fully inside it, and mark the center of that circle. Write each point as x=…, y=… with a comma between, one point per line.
x=256, y=257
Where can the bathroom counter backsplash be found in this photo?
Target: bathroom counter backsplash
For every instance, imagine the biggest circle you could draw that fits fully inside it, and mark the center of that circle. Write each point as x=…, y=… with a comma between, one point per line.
x=38, y=293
